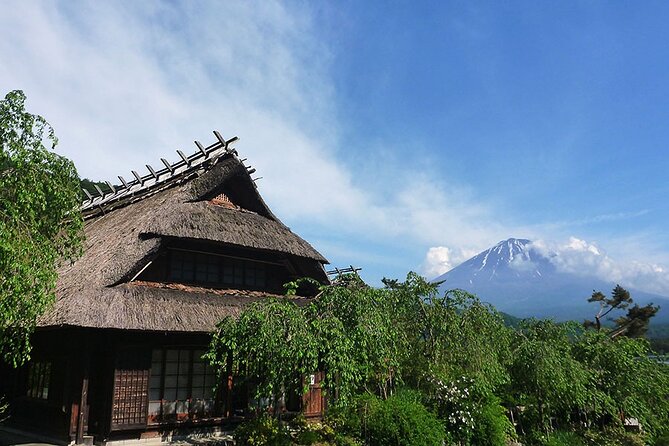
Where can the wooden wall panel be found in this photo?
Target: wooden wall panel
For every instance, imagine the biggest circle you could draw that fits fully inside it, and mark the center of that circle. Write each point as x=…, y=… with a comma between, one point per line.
x=131, y=390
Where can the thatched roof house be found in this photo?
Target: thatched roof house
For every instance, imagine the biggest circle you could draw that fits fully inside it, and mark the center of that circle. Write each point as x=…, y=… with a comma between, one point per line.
x=213, y=201
x=167, y=256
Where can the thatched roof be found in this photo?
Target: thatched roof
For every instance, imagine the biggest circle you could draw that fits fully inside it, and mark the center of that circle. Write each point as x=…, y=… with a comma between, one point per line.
x=153, y=307
x=126, y=231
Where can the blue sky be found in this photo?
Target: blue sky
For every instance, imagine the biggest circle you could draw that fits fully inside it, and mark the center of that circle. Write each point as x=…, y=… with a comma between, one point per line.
x=394, y=136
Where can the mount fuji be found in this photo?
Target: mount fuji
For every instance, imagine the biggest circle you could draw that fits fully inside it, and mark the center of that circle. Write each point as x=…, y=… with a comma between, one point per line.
x=523, y=281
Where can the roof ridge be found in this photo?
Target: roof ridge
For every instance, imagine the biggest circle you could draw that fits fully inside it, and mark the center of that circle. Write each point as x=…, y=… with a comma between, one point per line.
x=155, y=179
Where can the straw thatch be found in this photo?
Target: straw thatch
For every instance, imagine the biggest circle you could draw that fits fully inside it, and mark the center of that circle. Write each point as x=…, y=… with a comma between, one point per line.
x=153, y=307
x=122, y=238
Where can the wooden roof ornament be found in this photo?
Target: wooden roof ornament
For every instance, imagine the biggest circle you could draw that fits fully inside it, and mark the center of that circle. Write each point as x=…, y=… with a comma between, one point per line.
x=131, y=224
x=339, y=271
x=145, y=183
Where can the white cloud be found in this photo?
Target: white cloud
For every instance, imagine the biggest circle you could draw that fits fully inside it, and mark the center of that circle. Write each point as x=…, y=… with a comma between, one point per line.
x=523, y=264
x=585, y=258
x=441, y=259
x=574, y=256
x=125, y=83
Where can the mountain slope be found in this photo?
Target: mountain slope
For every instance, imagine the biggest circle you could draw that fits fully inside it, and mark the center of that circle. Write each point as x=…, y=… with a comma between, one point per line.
x=519, y=280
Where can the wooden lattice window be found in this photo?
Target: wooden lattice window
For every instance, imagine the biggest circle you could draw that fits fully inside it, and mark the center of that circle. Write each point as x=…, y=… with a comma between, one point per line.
x=131, y=384
x=215, y=270
x=181, y=387
x=39, y=378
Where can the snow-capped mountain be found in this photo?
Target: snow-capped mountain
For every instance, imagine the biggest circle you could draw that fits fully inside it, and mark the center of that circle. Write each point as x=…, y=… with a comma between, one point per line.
x=523, y=281
x=509, y=259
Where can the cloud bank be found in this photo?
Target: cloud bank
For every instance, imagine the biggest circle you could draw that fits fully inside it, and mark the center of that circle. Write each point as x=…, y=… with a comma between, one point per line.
x=441, y=259
x=574, y=256
x=585, y=258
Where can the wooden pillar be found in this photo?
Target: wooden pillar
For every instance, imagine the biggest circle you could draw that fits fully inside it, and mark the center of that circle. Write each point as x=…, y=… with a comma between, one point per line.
x=80, y=365
x=82, y=421
x=228, y=388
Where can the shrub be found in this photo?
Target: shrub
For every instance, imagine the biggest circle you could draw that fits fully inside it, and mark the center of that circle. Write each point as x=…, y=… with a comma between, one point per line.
x=454, y=404
x=306, y=433
x=662, y=440
x=613, y=436
x=471, y=413
x=308, y=437
x=491, y=425
x=262, y=431
x=346, y=440
x=401, y=419
x=563, y=438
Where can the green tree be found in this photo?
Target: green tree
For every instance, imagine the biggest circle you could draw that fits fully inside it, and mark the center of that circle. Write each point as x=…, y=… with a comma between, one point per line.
x=458, y=329
x=627, y=381
x=546, y=378
x=633, y=324
x=40, y=222
x=362, y=337
x=270, y=345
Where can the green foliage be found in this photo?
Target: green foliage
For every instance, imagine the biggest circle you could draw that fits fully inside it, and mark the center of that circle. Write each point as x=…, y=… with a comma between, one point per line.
x=40, y=223
x=471, y=414
x=308, y=433
x=364, y=335
x=626, y=379
x=662, y=440
x=545, y=376
x=455, y=405
x=612, y=436
x=491, y=425
x=3, y=409
x=558, y=438
x=270, y=343
x=266, y=430
x=347, y=440
x=372, y=342
x=400, y=419
x=262, y=431
x=458, y=330
x=308, y=437
x=509, y=320
x=633, y=324
x=90, y=187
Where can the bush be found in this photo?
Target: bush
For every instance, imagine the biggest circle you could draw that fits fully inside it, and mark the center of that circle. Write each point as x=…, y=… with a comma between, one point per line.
x=662, y=440
x=470, y=413
x=491, y=425
x=563, y=438
x=613, y=436
x=262, y=431
x=346, y=440
x=312, y=433
x=400, y=420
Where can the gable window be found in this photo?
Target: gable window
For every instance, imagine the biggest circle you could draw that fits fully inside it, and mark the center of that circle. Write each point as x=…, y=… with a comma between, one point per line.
x=181, y=386
x=214, y=270
x=39, y=377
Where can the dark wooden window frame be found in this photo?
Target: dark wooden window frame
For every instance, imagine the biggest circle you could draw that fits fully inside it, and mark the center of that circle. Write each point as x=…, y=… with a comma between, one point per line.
x=192, y=415
x=39, y=380
x=217, y=270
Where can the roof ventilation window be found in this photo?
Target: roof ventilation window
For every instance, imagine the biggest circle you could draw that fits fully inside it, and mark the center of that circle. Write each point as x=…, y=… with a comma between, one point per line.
x=223, y=201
